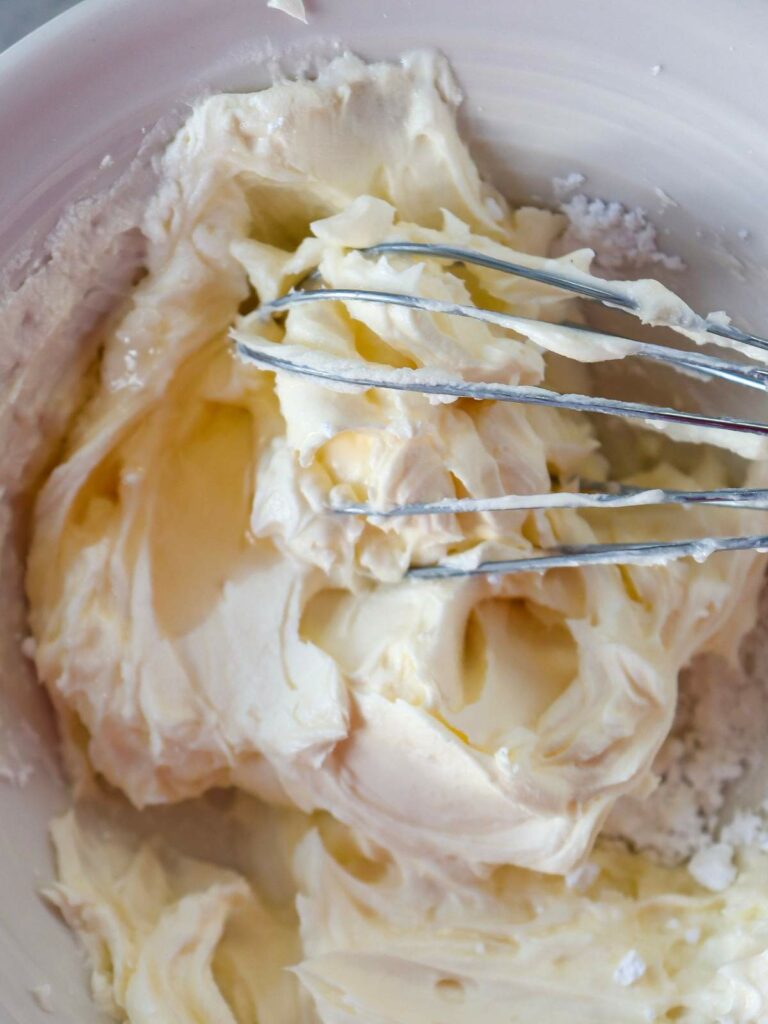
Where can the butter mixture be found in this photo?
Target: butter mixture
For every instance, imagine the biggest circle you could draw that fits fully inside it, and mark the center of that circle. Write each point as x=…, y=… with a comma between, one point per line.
x=440, y=756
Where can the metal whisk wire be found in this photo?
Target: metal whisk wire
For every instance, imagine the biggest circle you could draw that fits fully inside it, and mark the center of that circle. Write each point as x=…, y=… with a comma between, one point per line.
x=268, y=356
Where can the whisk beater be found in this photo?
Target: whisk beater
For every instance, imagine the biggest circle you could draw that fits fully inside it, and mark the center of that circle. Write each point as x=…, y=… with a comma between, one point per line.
x=704, y=365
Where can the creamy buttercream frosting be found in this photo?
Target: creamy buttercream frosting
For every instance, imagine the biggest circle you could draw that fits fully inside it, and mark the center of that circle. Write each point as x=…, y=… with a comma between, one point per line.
x=203, y=620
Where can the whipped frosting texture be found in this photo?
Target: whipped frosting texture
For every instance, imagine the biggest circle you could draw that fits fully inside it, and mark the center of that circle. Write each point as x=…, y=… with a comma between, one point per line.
x=203, y=620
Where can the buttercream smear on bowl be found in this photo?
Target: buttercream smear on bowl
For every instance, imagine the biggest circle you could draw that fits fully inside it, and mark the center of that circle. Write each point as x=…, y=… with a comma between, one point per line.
x=422, y=770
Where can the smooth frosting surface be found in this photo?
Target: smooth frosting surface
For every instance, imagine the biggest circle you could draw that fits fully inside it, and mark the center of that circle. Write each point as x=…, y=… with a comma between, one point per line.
x=202, y=620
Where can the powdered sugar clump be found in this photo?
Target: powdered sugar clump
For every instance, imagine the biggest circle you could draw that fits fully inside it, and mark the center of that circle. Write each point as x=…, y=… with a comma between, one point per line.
x=713, y=866
x=624, y=240
x=567, y=185
x=630, y=969
x=718, y=739
x=748, y=828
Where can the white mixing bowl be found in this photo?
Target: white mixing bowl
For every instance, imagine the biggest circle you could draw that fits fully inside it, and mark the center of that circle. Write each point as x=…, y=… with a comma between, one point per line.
x=639, y=97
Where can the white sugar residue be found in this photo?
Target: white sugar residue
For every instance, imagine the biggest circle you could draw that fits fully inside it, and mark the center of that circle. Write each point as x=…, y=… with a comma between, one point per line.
x=42, y=994
x=718, y=740
x=748, y=828
x=567, y=185
x=624, y=240
x=630, y=969
x=16, y=765
x=293, y=8
x=713, y=867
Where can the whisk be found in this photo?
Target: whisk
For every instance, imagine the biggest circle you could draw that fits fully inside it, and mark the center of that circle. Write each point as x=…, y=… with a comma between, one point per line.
x=598, y=495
